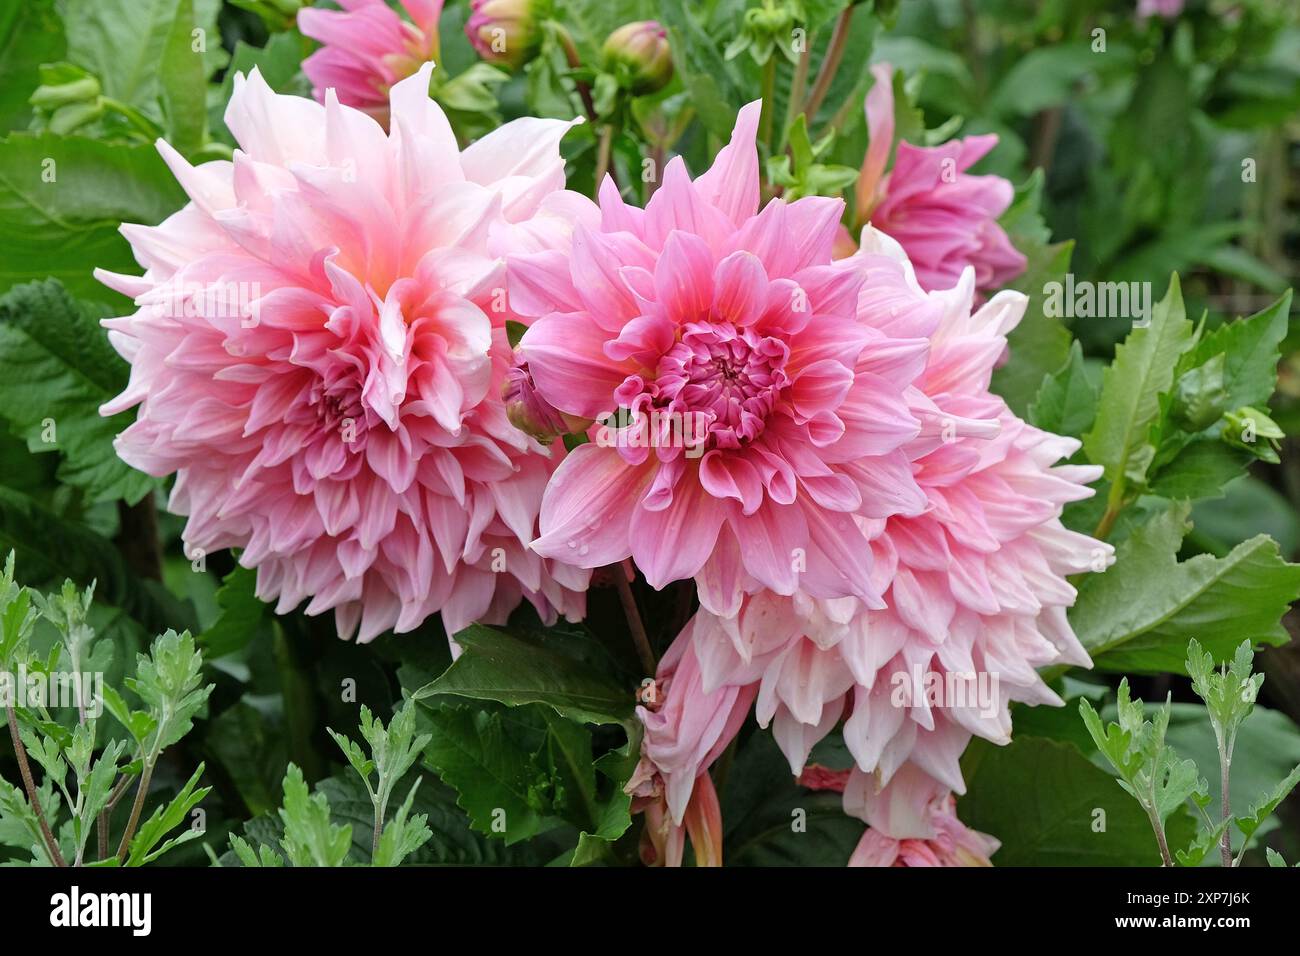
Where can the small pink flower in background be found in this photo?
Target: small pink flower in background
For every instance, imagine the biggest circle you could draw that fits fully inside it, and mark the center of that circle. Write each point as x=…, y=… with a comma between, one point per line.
x=759, y=418
x=342, y=423
x=367, y=48
x=1167, y=9
x=913, y=822
x=943, y=217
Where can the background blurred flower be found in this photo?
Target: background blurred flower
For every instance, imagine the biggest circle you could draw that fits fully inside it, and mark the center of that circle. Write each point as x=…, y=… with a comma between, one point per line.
x=505, y=32
x=367, y=47
x=638, y=54
x=945, y=218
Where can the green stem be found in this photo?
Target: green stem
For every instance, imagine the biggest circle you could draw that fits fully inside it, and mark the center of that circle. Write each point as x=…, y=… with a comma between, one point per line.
x=25, y=771
x=1225, y=840
x=830, y=63
x=769, y=105
x=603, y=151
x=133, y=116
x=797, y=90
x=628, y=600
x=137, y=805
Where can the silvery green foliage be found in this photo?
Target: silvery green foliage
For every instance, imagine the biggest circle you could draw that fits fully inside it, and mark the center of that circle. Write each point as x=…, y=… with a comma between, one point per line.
x=1151, y=771
x=86, y=772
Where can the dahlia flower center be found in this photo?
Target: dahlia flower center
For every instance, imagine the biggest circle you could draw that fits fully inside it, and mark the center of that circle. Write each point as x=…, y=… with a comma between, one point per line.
x=336, y=405
x=731, y=376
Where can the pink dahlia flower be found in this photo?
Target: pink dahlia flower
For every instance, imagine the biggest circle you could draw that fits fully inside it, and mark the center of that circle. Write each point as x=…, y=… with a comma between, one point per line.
x=922, y=815
x=368, y=47
x=686, y=729
x=316, y=356
x=974, y=583
x=747, y=419
x=945, y=218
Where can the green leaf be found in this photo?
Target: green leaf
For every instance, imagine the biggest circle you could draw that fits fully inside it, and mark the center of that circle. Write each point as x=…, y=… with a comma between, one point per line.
x=1131, y=388
x=489, y=757
x=404, y=834
x=167, y=680
x=1040, y=344
x=769, y=820
x=1073, y=815
x=183, y=75
x=310, y=838
x=1207, y=839
x=1259, y=812
x=1261, y=758
x=1229, y=693
x=145, y=846
x=1067, y=401
x=711, y=80
x=514, y=670
x=62, y=200
x=1139, y=614
x=264, y=855
x=1250, y=352
x=131, y=46
x=59, y=368
x=51, y=548
x=243, y=615
x=1199, y=471
x=31, y=33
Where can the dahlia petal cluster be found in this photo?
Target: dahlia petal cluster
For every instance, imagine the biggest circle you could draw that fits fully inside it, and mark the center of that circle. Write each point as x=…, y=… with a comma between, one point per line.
x=943, y=217
x=367, y=47
x=336, y=411
x=748, y=425
x=862, y=517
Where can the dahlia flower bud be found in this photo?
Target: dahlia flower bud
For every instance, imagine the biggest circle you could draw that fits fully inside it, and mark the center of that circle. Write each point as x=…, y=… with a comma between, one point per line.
x=638, y=54
x=368, y=48
x=504, y=31
x=532, y=414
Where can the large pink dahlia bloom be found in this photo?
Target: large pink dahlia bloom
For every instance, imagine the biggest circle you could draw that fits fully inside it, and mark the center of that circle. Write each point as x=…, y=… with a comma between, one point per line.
x=945, y=218
x=757, y=420
x=367, y=47
x=974, y=585
x=335, y=411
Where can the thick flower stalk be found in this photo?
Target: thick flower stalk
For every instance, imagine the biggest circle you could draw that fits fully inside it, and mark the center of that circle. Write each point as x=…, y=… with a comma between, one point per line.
x=367, y=47
x=943, y=217
x=747, y=423
x=319, y=355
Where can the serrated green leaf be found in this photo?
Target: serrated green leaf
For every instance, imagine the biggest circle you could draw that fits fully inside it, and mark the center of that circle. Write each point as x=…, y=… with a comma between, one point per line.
x=1139, y=614
x=1131, y=388
x=310, y=838
x=1199, y=471
x=1059, y=820
x=1259, y=812
x=1066, y=403
x=509, y=668
x=62, y=199
x=145, y=845
x=59, y=368
x=1250, y=353
x=1039, y=345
